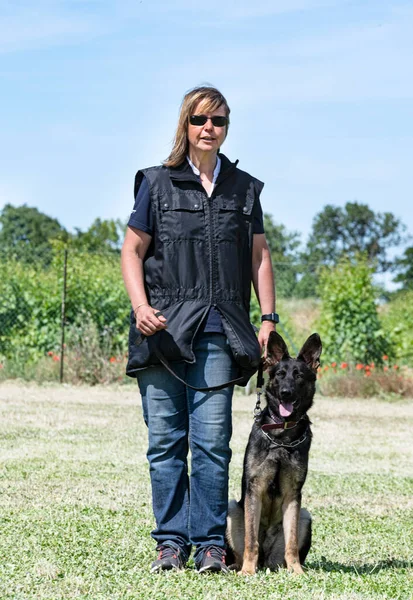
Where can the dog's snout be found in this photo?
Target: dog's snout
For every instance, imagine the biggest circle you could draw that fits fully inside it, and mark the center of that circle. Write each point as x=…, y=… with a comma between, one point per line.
x=286, y=392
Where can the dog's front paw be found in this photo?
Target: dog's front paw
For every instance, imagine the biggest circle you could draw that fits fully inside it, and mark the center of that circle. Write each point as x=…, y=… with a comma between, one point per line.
x=295, y=567
x=247, y=569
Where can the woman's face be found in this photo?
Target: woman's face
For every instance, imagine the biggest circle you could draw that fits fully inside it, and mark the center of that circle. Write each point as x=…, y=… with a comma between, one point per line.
x=207, y=138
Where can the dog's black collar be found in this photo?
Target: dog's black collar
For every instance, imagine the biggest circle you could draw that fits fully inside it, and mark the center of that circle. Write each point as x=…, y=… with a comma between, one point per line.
x=282, y=425
x=279, y=423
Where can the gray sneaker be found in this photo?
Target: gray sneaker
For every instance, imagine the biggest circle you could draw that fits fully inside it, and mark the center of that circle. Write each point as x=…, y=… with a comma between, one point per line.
x=168, y=558
x=213, y=560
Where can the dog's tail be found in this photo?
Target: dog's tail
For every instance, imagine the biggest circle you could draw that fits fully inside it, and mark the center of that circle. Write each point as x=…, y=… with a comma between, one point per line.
x=235, y=534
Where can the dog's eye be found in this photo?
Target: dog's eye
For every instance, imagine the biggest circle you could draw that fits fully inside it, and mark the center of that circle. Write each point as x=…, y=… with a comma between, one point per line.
x=281, y=374
x=297, y=374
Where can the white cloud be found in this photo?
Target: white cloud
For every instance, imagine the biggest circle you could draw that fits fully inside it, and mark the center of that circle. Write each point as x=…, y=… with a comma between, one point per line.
x=241, y=9
x=348, y=63
x=27, y=25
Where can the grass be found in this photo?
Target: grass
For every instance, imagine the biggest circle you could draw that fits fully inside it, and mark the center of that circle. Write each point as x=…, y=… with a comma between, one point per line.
x=75, y=512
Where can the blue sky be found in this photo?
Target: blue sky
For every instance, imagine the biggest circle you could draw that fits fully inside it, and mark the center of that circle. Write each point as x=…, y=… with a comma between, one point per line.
x=320, y=92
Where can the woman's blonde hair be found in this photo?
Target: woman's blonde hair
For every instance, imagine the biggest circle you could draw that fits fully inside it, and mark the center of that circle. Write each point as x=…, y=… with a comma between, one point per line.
x=211, y=99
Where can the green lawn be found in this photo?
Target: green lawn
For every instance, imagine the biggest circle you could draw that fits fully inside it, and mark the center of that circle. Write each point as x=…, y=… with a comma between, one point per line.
x=75, y=509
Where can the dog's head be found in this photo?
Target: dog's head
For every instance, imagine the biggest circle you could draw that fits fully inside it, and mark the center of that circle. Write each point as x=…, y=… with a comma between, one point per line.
x=291, y=384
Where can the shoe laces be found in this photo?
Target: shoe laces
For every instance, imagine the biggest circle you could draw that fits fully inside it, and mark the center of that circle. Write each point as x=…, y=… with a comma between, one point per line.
x=215, y=552
x=167, y=552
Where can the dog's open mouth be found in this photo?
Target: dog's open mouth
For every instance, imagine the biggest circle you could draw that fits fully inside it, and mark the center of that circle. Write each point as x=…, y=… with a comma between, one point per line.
x=286, y=408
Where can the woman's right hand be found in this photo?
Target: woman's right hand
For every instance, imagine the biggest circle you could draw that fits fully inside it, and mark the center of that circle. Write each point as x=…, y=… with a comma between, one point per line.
x=146, y=320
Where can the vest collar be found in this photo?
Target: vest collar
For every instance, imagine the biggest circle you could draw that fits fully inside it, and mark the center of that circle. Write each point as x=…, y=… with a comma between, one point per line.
x=184, y=171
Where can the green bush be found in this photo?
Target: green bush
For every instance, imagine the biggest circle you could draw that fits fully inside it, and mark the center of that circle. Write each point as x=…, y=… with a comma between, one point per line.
x=397, y=321
x=349, y=324
x=31, y=297
x=30, y=310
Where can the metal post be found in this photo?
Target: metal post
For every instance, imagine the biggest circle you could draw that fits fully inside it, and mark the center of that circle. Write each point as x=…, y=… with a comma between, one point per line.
x=63, y=320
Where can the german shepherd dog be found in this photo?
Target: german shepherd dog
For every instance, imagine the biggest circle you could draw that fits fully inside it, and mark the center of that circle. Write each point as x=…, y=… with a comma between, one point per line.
x=267, y=527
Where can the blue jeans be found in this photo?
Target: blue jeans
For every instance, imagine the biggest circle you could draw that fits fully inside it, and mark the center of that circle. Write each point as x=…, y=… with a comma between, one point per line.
x=190, y=509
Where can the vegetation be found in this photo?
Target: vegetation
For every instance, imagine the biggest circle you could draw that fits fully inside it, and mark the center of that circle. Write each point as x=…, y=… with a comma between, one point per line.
x=404, y=266
x=397, y=319
x=26, y=234
x=76, y=505
x=283, y=246
x=349, y=324
x=346, y=232
x=97, y=308
x=30, y=316
x=365, y=381
x=31, y=236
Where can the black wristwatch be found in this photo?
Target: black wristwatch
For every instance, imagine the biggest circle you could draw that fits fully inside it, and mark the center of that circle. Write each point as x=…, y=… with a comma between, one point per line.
x=270, y=317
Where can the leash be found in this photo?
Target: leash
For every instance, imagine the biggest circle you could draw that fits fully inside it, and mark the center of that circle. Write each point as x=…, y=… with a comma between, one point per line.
x=260, y=385
x=212, y=388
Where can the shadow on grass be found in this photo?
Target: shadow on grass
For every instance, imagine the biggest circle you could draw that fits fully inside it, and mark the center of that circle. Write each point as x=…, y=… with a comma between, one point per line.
x=366, y=569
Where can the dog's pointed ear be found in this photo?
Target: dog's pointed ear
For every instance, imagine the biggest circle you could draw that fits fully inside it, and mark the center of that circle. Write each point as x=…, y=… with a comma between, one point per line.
x=276, y=349
x=311, y=351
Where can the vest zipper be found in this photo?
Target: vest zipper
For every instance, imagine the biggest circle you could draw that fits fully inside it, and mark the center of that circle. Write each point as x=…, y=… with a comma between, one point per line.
x=211, y=248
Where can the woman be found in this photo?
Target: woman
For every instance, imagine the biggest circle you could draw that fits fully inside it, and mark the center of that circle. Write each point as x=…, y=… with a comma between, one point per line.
x=194, y=243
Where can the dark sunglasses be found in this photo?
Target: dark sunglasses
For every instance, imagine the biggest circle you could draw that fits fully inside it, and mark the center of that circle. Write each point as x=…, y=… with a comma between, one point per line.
x=199, y=120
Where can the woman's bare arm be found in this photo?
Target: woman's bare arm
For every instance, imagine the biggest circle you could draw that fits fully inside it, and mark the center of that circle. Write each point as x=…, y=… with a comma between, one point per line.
x=134, y=249
x=263, y=281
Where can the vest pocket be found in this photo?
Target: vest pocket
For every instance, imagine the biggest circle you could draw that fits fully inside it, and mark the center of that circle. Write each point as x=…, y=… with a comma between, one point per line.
x=181, y=217
x=234, y=217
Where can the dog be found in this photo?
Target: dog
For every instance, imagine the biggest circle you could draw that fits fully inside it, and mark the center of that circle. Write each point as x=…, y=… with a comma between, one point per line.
x=268, y=528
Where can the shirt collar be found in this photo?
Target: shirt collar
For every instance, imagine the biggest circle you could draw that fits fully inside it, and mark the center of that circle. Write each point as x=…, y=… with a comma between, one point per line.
x=197, y=171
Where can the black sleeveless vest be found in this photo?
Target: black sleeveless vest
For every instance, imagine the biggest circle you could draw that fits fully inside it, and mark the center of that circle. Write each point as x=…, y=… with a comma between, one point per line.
x=200, y=256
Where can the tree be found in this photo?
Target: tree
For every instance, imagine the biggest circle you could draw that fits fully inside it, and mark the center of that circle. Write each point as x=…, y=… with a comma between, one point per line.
x=102, y=236
x=283, y=247
x=405, y=267
x=348, y=231
x=27, y=234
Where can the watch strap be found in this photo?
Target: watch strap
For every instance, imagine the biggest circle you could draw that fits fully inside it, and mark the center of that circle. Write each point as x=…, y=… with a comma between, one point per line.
x=271, y=317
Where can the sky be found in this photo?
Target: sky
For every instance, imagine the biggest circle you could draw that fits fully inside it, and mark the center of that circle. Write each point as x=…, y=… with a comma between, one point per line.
x=320, y=93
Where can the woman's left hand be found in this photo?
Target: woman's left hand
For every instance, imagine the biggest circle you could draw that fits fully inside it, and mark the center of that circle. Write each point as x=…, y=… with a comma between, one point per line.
x=264, y=334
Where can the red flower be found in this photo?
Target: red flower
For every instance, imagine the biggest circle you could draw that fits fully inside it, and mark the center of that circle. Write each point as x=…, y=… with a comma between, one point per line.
x=367, y=367
x=333, y=364
x=359, y=366
x=112, y=359
x=385, y=368
x=56, y=358
x=385, y=357
x=50, y=353
x=395, y=367
x=367, y=373
x=344, y=365
x=326, y=368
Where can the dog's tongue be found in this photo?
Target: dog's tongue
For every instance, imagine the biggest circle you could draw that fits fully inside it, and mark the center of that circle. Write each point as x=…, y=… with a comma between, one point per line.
x=286, y=409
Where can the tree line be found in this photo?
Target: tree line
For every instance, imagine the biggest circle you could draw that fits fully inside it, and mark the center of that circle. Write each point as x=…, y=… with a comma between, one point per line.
x=31, y=236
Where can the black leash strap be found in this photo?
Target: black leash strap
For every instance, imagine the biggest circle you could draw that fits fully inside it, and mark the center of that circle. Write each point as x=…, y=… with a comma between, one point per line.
x=213, y=388
x=260, y=377
x=260, y=385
